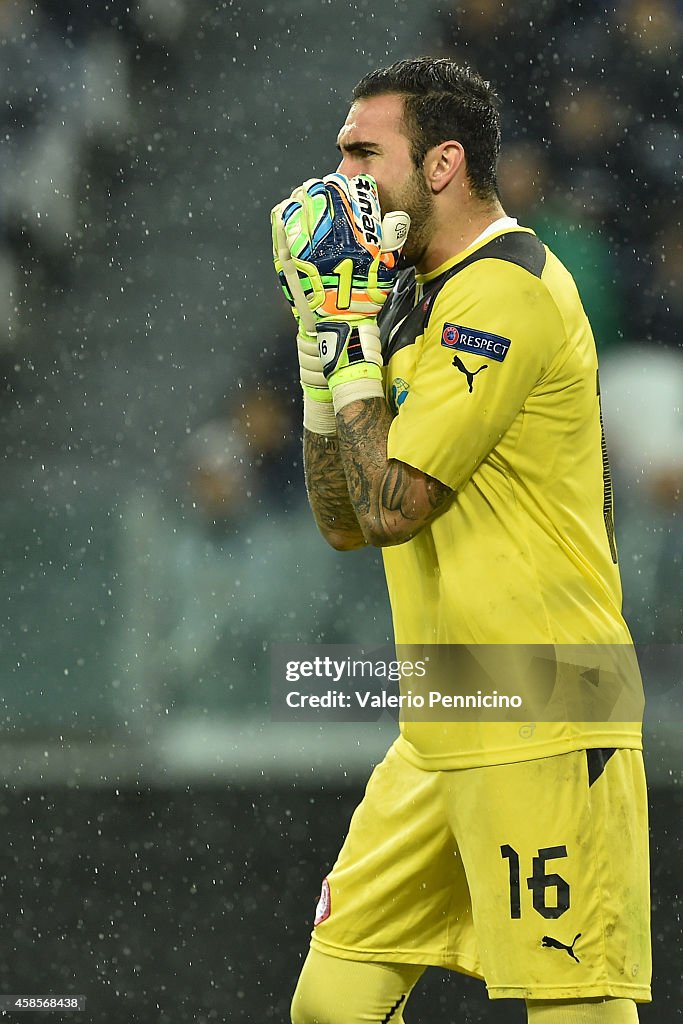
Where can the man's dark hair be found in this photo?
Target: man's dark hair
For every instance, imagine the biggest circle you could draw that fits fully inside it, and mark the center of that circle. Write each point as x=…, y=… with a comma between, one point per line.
x=444, y=100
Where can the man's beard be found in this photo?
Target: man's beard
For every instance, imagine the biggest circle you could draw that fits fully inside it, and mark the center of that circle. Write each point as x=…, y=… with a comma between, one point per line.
x=415, y=199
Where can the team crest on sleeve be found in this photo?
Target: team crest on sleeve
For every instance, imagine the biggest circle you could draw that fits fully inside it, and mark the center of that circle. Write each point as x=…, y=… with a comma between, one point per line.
x=399, y=392
x=478, y=343
x=324, y=905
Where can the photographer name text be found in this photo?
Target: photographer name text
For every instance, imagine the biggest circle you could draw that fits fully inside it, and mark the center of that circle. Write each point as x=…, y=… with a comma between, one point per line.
x=368, y=699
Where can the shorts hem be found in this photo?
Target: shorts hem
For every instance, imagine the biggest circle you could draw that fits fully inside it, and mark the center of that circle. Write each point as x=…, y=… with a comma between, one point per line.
x=638, y=993
x=450, y=962
x=621, y=740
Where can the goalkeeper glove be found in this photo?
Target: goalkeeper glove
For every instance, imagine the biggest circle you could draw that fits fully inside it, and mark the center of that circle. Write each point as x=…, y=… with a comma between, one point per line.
x=344, y=261
x=318, y=408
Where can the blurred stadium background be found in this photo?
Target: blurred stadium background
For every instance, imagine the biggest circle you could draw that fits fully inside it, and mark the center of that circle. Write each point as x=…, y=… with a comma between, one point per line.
x=163, y=840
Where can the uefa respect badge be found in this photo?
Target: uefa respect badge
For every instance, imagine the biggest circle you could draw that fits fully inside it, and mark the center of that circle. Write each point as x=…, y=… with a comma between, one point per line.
x=477, y=343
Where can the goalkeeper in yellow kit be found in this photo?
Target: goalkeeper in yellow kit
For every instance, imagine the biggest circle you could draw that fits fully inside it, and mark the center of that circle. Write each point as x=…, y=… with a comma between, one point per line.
x=451, y=417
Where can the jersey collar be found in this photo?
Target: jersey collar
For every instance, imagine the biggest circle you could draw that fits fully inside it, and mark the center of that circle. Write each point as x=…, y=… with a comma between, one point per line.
x=498, y=227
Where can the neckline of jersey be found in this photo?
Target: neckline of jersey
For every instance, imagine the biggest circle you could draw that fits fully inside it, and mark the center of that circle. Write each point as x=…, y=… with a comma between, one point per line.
x=502, y=226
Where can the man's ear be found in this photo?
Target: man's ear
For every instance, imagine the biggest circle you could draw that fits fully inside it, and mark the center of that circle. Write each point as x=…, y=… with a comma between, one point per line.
x=442, y=163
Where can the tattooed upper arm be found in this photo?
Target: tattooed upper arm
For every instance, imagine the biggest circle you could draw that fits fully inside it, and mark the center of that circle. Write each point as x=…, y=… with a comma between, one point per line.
x=411, y=492
x=409, y=500
x=392, y=500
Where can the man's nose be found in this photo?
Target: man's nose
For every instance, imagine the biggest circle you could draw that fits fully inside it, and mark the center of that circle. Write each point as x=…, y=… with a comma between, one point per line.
x=347, y=167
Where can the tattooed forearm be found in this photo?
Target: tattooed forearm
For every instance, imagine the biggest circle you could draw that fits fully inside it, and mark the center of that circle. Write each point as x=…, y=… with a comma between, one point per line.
x=392, y=501
x=358, y=496
x=398, y=495
x=363, y=428
x=328, y=492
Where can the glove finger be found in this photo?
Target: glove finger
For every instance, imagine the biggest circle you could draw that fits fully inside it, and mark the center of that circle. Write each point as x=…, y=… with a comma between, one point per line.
x=309, y=355
x=285, y=264
x=366, y=197
x=395, y=227
x=307, y=218
x=318, y=210
x=294, y=197
x=306, y=316
x=280, y=243
x=365, y=204
x=356, y=210
x=296, y=232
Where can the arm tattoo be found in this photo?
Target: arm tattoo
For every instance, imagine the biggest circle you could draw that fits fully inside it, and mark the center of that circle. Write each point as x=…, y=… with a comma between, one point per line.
x=363, y=428
x=328, y=491
x=396, y=488
x=392, y=500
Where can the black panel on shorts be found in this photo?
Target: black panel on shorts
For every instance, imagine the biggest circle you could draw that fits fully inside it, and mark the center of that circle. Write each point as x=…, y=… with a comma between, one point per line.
x=597, y=759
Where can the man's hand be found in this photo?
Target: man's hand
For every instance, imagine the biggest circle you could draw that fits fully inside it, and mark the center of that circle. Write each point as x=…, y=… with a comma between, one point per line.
x=298, y=279
x=344, y=256
x=337, y=261
x=318, y=409
x=348, y=333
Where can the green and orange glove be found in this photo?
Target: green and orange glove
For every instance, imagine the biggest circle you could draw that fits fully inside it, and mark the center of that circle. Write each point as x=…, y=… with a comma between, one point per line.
x=337, y=261
x=318, y=408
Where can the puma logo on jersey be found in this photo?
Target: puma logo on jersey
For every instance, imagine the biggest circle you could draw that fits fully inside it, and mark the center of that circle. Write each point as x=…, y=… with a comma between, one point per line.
x=550, y=943
x=470, y=374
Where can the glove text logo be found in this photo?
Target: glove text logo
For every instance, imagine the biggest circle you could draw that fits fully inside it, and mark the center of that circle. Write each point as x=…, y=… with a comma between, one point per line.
x=364, y=191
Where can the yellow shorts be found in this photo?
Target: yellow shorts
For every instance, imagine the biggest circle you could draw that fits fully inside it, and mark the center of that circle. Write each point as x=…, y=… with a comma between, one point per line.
x=532, y=876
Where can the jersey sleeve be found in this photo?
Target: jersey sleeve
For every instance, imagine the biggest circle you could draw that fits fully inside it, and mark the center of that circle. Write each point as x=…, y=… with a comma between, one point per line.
x=493, y=331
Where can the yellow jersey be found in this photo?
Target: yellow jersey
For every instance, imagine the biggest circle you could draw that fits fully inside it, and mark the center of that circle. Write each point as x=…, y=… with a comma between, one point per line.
x=491, y=370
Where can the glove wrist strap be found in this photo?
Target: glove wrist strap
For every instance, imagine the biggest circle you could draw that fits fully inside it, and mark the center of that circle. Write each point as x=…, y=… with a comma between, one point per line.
x=319, y=416
x=356, y=390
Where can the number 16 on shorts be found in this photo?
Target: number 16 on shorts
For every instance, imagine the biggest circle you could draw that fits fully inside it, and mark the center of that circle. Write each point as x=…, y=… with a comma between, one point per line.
x=550, y=893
